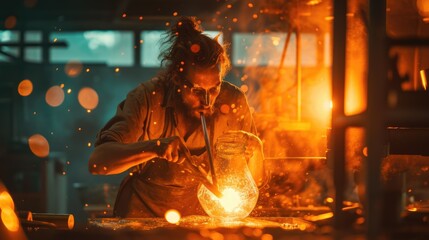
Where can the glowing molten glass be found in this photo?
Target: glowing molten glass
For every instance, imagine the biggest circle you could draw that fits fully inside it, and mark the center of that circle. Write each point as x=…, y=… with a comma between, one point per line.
x=234, y=180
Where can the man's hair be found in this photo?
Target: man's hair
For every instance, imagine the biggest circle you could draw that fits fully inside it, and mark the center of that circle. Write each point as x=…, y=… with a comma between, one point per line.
x=185, y=47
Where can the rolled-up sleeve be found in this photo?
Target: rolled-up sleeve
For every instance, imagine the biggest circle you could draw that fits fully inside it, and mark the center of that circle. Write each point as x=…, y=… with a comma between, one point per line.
x=128, y=123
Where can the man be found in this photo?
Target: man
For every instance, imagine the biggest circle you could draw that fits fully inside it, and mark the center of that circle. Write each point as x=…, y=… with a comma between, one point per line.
x=159, y=122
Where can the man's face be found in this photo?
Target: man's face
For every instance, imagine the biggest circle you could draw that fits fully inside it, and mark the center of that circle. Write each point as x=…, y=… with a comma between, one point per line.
x=200, y=90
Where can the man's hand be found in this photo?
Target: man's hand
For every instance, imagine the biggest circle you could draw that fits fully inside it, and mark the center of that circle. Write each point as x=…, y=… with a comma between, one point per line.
x=250, y=141
x=172, y=149
x=253, y=151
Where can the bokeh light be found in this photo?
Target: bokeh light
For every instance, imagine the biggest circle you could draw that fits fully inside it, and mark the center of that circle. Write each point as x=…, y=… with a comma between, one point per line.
x=73, y=68
x=172, y=216
x=6, y=200
x=39, y=146
x=54, y=96
x=195, y=48
x=10, y=22
x=9, y=219
x=88, y=98
x=25, y=87
x=30, y=3
x=224, y=108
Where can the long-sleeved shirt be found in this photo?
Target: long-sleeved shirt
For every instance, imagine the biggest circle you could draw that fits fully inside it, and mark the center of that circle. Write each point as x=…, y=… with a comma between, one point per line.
x=148, y=113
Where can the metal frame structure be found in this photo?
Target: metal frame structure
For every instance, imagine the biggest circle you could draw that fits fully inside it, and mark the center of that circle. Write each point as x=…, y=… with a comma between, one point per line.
x=375, y=119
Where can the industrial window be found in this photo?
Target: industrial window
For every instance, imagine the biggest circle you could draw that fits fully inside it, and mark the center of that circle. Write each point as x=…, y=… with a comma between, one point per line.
x=8, y=53
x=266, y=49
x=113, y=48
x=33, y=54
x=151, y=46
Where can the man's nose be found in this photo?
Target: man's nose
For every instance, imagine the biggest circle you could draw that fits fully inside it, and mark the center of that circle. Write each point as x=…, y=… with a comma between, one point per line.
x=206, y=99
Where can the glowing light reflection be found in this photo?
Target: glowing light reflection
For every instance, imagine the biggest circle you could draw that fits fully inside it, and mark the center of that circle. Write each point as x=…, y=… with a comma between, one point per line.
x=6, y=200
x=172, y=216
x=9, y=219
x=230, y=199
x=424, y=80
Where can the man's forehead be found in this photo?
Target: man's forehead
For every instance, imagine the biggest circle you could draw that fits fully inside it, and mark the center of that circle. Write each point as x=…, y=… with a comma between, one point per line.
x=204, y=70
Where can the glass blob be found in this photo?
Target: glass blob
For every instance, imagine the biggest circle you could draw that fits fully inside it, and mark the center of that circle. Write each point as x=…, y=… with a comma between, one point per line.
x=234, y=181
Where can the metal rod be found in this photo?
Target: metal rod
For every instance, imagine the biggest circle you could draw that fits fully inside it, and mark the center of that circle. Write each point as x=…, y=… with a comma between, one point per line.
x=282, y=60
x=199, y=171
x=375, y=125
x=298, y=74
x=338, y=84
x=47, y=44
x=208, y=147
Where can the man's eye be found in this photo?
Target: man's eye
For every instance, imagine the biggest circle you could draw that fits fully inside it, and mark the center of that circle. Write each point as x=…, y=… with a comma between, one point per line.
x=198, y=91
x=214, y=90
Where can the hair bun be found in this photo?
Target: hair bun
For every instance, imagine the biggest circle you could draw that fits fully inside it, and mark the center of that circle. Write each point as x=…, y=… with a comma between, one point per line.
x=187, y=26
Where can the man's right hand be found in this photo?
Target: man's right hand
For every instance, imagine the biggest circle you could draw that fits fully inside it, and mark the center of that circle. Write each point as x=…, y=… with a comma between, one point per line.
x=172, y=149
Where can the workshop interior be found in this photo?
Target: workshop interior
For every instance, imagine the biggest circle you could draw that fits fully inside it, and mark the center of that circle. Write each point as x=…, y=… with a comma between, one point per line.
x=337, y=90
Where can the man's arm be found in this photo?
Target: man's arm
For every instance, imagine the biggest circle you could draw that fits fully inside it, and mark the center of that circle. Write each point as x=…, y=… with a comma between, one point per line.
x=115, y=157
